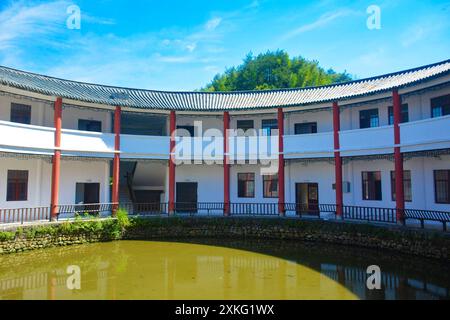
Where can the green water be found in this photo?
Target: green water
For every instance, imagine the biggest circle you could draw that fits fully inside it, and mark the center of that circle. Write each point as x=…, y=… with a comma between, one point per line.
x=213, y=269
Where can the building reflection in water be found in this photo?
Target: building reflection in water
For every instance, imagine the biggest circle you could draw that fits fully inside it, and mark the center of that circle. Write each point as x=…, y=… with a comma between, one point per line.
x=205, y=274
x=392, y=287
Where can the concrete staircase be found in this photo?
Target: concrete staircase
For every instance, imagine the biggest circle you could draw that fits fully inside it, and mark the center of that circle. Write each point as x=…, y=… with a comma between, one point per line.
x=124, y=194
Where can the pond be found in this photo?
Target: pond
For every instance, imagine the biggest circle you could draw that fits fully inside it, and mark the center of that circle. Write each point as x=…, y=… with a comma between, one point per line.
x=217, y=269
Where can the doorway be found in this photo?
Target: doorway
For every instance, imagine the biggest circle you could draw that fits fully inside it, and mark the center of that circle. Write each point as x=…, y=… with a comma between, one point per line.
x=307, y=198
x=186, y=197
x=87, y=194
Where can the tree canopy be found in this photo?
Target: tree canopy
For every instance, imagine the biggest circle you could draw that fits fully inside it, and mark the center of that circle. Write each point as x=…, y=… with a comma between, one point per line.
x=274, y=70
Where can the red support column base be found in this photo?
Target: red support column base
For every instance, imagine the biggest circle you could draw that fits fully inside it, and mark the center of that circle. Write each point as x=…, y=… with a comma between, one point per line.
x=56, y=167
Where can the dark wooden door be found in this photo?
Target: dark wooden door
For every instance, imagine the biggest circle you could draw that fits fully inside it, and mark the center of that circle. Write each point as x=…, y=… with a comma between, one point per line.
x=313, y=198
x=92, y=193
x=87, y=198
x=186, y=197
x=307, y=198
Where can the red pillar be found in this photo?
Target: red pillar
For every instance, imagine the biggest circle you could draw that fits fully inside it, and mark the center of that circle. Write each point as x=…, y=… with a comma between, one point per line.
x=281, y=198
x=337, y=160
x=398, y=159
x=172, y=163
x=226, y=164
x=116, y=163
x=56, y=163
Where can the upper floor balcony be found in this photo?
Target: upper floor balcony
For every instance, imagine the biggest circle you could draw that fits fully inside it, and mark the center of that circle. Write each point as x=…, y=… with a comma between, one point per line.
x=428, y=134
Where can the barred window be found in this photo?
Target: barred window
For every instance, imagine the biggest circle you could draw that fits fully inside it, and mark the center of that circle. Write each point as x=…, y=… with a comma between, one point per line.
x=368, y=118
x=404, y=114
x=17, y=188
x=305, y=128
x=246, y=185
x=270, y=186
x=371, y=185
x=440, y=106
x=442, y=186
x=269, y=125
x=20, y=113
x=245, y=127
x=407, y=185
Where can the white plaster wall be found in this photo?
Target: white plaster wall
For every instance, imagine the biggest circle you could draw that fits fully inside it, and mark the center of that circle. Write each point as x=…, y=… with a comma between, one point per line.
x=354, y=175
x=259, y=196
x=78, y=171
x=422, y=179
x=42, y=113
x=257, y=119
x=36, y=196
x=208, y=177
x=420, y=105
x=419, y=108
x=427, y=182
x=210, y=181
x=37, y=108
x=70, y=117
x=323, y=118
x=206, y=122
x=318, y=172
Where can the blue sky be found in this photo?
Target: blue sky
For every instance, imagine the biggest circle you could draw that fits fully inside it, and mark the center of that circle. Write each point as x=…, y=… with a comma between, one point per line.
x=181, y=45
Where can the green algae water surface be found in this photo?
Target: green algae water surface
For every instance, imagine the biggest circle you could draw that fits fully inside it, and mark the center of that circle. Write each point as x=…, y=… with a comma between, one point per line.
x=213, y=269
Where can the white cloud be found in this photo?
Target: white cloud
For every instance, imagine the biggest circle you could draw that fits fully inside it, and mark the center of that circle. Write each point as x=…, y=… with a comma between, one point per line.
x=29, y=29
x=423, y=29
x=212, y=69
x=191, y=47
x=323, y=20
x=253, y=4
x=174, y=59
x=22, y=20
x=86, y=18
x=213, y=23
x=25, y=21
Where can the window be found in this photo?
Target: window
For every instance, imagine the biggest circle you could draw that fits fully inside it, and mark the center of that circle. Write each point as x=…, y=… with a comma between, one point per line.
x=440, y=106
x=90, y=125
x=20, y=113
x=143, y=124
x=246, y=185
x=17, y=189
x=189, y=129
x=368, y=118
x=270, y=186
x=404, y=114
x=305, y=128
x=245, y=125
x=268, y=125
x=406, y=185
x=442, y=186
x=371, y=185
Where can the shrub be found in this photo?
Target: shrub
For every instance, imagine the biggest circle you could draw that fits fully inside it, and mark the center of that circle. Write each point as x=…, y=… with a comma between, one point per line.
x=122, y=218
x=5, y=236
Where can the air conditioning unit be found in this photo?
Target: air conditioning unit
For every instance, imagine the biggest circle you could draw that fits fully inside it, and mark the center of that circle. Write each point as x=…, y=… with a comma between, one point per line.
x=345, y=186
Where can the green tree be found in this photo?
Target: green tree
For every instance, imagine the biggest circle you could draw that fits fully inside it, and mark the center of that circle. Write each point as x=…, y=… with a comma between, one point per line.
x=274, y=70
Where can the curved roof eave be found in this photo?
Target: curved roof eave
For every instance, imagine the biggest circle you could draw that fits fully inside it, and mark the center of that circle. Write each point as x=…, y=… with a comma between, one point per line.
x=219, y=101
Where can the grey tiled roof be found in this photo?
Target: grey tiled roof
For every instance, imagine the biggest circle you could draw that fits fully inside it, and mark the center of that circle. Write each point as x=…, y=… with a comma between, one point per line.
x=217, y=101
